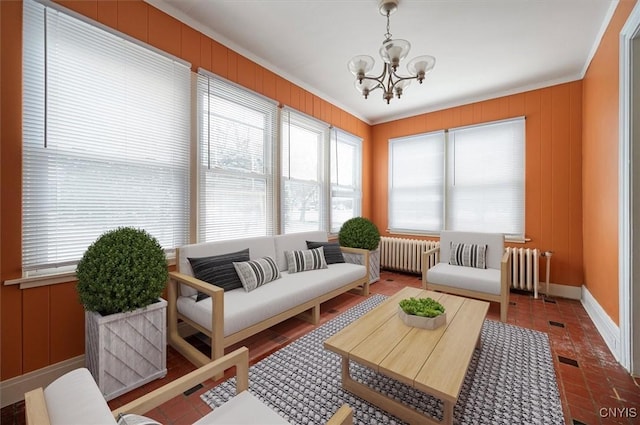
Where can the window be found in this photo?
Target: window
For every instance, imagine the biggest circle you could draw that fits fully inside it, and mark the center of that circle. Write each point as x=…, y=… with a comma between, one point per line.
x=485, y=178
x=346, y=177
x=105, y=138
x=468, y=178
x=304, y=189
x=416, y=183
x=236, y=167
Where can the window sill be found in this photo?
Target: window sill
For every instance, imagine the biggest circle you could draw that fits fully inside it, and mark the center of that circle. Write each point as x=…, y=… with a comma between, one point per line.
x=54, y=278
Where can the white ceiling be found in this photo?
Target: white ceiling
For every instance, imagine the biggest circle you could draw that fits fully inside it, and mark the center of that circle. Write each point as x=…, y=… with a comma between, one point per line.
x=483, y=48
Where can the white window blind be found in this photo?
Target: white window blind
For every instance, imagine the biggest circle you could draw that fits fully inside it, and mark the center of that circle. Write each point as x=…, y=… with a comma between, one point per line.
x=105, y=138
x=416, y=183
x=485, y=181
x=304, y=188
x=346, y=178
x=237, y=130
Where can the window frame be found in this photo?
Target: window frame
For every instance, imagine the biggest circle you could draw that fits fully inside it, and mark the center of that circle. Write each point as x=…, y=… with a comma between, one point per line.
x=446, y=194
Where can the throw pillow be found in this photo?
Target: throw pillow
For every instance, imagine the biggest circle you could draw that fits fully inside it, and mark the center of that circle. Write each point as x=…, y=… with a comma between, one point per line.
x=218, y=270
x=256, y=273
x=133, y=419
x=306, y=259
x=332, y=251
x=468, y=255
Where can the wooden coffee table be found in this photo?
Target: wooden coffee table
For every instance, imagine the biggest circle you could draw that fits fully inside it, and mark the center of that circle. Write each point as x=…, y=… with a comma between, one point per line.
x=432, y=361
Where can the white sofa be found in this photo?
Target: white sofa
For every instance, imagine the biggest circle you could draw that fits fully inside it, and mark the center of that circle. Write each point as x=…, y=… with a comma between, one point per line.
x=490, y=284
x=231, y=316
x=75, y=399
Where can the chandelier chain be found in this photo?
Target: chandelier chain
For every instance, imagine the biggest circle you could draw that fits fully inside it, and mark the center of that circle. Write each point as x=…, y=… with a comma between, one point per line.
x=388, y=34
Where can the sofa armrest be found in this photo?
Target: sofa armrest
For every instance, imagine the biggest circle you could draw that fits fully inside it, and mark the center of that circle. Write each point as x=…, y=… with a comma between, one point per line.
x=238, y=358
x=505, y=275
x=425, y=258
x=217, y=317
x=195, y=283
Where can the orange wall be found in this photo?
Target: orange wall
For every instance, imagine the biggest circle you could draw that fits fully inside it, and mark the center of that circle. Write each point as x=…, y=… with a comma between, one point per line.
x=600, y=160
x=45, y=325
x=553, y=188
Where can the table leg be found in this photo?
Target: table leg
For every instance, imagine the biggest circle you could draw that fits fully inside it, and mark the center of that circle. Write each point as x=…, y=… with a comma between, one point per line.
x=390, y=405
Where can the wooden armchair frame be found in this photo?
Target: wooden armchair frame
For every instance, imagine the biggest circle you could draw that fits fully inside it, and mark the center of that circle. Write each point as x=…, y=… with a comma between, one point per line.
x=505, y=283
x=36, y=406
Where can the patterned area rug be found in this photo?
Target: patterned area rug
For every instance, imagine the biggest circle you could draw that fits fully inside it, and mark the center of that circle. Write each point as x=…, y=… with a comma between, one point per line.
x=510, y=380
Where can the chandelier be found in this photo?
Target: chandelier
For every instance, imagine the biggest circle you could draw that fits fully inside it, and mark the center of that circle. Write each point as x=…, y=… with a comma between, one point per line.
x=392, y=52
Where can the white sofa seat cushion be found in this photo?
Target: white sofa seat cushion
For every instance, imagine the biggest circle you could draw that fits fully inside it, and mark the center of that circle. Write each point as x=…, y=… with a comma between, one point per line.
x=243, y=309
x=243, y=409
x=75, y=399
x=473, y=279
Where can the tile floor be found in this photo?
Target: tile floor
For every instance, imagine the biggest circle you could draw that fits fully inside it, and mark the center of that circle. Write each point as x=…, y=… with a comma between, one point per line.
x=594, y=388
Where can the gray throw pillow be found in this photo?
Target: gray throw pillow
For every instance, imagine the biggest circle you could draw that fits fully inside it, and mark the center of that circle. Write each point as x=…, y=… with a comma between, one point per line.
x=332, y=251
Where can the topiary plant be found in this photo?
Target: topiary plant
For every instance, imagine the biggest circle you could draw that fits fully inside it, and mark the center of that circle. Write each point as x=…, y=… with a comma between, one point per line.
x=123, y=270
x=359, y=232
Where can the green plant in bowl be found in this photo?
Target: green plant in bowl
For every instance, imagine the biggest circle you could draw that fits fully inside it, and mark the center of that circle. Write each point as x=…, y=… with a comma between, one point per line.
x=423, y=307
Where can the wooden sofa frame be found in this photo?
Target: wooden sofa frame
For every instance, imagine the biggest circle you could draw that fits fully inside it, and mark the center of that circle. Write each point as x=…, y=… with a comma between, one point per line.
x=505, y=283
x=218, y=341
x=36, y=407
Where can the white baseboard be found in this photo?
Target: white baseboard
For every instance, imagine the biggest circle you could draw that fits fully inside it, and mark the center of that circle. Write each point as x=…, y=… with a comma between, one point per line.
x=12, y=390
x=562, y=291
x=607, y=328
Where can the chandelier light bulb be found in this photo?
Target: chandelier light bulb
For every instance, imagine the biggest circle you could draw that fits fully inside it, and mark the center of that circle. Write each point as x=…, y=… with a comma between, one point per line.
x=392, y=53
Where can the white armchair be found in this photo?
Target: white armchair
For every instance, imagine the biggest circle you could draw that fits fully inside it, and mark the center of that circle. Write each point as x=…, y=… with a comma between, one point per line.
x=491, y=283
x=74, y=398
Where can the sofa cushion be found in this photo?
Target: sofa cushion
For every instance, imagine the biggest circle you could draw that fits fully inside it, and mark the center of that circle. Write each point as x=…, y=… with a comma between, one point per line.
x=75, y=398
x=468, y=255
x=306, y=259
x=481, y=280
x=256, y=273
x=243, y=309
x=244, y=409
x=332, y=251
x=218, y=270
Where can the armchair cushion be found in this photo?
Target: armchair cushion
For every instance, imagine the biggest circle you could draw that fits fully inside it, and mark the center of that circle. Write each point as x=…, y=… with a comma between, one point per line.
x=244, y=408
x=74, y=398
x=480, y=280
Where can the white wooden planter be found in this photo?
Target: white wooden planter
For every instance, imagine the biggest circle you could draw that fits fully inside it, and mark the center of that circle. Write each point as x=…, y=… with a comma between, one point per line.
x=374, y=263
x=422, y=322
x=126, y=350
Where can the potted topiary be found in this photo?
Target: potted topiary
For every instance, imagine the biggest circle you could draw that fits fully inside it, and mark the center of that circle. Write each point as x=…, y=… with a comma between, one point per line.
x=360, y=232
x=425, y=313
x=120, y=279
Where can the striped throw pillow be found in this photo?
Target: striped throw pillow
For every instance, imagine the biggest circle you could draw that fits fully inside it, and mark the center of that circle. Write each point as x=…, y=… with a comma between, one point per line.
x=468, y=255
x=256, y=273
x=306, y=259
